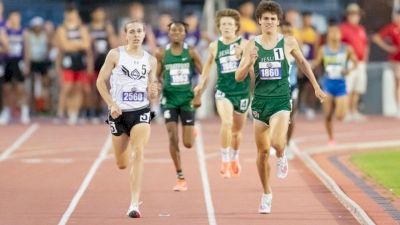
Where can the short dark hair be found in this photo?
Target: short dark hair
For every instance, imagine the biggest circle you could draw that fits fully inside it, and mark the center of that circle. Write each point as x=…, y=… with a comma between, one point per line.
x=268, y=6
x=185, y=25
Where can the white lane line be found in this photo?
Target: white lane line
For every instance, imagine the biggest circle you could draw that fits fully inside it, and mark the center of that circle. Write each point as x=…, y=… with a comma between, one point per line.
x=25, y=136
x=204, y=176
x=89, y=176
x=330, y=183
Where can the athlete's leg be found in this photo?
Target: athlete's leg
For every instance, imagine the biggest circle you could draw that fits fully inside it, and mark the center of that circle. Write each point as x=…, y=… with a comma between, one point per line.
x=292, y=121
x=187, y=119
x=261, y=133
x=75, y=102
x=174, y=151
x=239, y=120
x=121, y=150
x=139, y=137
x=341, y=107
x=23, y=101
x=225, y=112
x=328, y=108
x=279, y=124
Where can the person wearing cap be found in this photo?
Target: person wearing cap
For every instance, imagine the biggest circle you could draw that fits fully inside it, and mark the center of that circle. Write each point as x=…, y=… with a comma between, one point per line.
x=388, y=38
x=354, y=34
x=37, y=61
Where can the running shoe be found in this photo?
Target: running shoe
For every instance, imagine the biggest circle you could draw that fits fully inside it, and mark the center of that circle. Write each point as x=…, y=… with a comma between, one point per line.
x=133, y=211
x=282, y=167
x=225, y=170
x=266, y=204
x=181, y=185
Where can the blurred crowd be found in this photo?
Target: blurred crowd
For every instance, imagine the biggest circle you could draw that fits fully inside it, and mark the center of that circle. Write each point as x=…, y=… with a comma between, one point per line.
x=51, y=71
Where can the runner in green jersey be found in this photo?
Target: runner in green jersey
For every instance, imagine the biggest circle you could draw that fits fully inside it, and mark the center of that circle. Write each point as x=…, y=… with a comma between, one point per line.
x=267, y=56
x=232, y=97
x=175, y=69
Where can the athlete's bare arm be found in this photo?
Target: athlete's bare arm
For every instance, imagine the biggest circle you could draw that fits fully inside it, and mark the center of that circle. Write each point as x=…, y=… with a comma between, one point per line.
x=318, y=58
x=377, y=39
x=353, y=58
x=3, y=41
x=294, y=49
x=104, y=77
x=205, y=74
x=198, y=65
x=249, y=57
x=160, y=57
x=153, y=80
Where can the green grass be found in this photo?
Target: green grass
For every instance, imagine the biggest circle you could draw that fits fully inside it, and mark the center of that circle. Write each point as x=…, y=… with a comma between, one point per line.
x=383, y=166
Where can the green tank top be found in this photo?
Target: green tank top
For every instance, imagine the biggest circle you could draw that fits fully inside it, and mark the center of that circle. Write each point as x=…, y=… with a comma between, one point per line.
x=227, y=64
x=271, y=71
x=178, y=70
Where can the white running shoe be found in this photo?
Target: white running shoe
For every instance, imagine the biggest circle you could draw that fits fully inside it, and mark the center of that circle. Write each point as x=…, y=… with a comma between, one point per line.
x=133, y=211
x=266, y=204
x=25, y=119
x=282, y=167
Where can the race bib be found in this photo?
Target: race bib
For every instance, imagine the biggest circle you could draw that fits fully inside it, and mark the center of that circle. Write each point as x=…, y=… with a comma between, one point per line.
x=334, y=71
x=179, y=76
x=133, y=96
x=100, y=46
x=270, y=70
x=16, y=49
x=229, y=63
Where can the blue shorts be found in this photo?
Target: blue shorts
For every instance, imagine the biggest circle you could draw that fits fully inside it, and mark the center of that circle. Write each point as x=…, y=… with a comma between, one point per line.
x=334, y=87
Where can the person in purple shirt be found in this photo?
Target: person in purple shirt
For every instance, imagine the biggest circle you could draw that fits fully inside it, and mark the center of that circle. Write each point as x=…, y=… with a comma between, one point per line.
x=15, y=70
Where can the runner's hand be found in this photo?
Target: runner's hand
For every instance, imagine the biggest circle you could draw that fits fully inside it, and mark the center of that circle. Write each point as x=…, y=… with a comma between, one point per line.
x=320, y=95
x=253, y=55
x=196, y=102
x=153, y=90
x=115, y=111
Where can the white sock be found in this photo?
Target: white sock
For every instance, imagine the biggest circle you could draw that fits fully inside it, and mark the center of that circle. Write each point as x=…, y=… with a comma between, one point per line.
x=234, y=154
x=225, y=155
x=269, y=195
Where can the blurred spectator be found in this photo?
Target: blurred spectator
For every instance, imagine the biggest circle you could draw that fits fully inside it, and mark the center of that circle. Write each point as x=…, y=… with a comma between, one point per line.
x=103, y=38
x=354, y=34
x=15, y=71
x=194, y=33
x=3, y=49
x=74, y=46
x=248, y=27
x=388, y=39
x=292, y=16
x=161, y=33
x=309, y=38
x=37, y=60
x=136, y=12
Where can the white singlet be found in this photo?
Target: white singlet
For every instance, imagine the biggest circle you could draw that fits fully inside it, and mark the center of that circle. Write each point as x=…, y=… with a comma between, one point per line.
x=129, y=81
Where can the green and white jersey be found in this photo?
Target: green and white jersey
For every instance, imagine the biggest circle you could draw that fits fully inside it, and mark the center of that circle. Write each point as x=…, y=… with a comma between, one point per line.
x=271, y=70
x=227, y=63
x=177, y=70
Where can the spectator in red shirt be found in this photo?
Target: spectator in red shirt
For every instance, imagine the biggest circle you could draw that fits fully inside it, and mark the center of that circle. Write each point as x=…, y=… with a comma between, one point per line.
x=388, y=39
x=354, y=34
